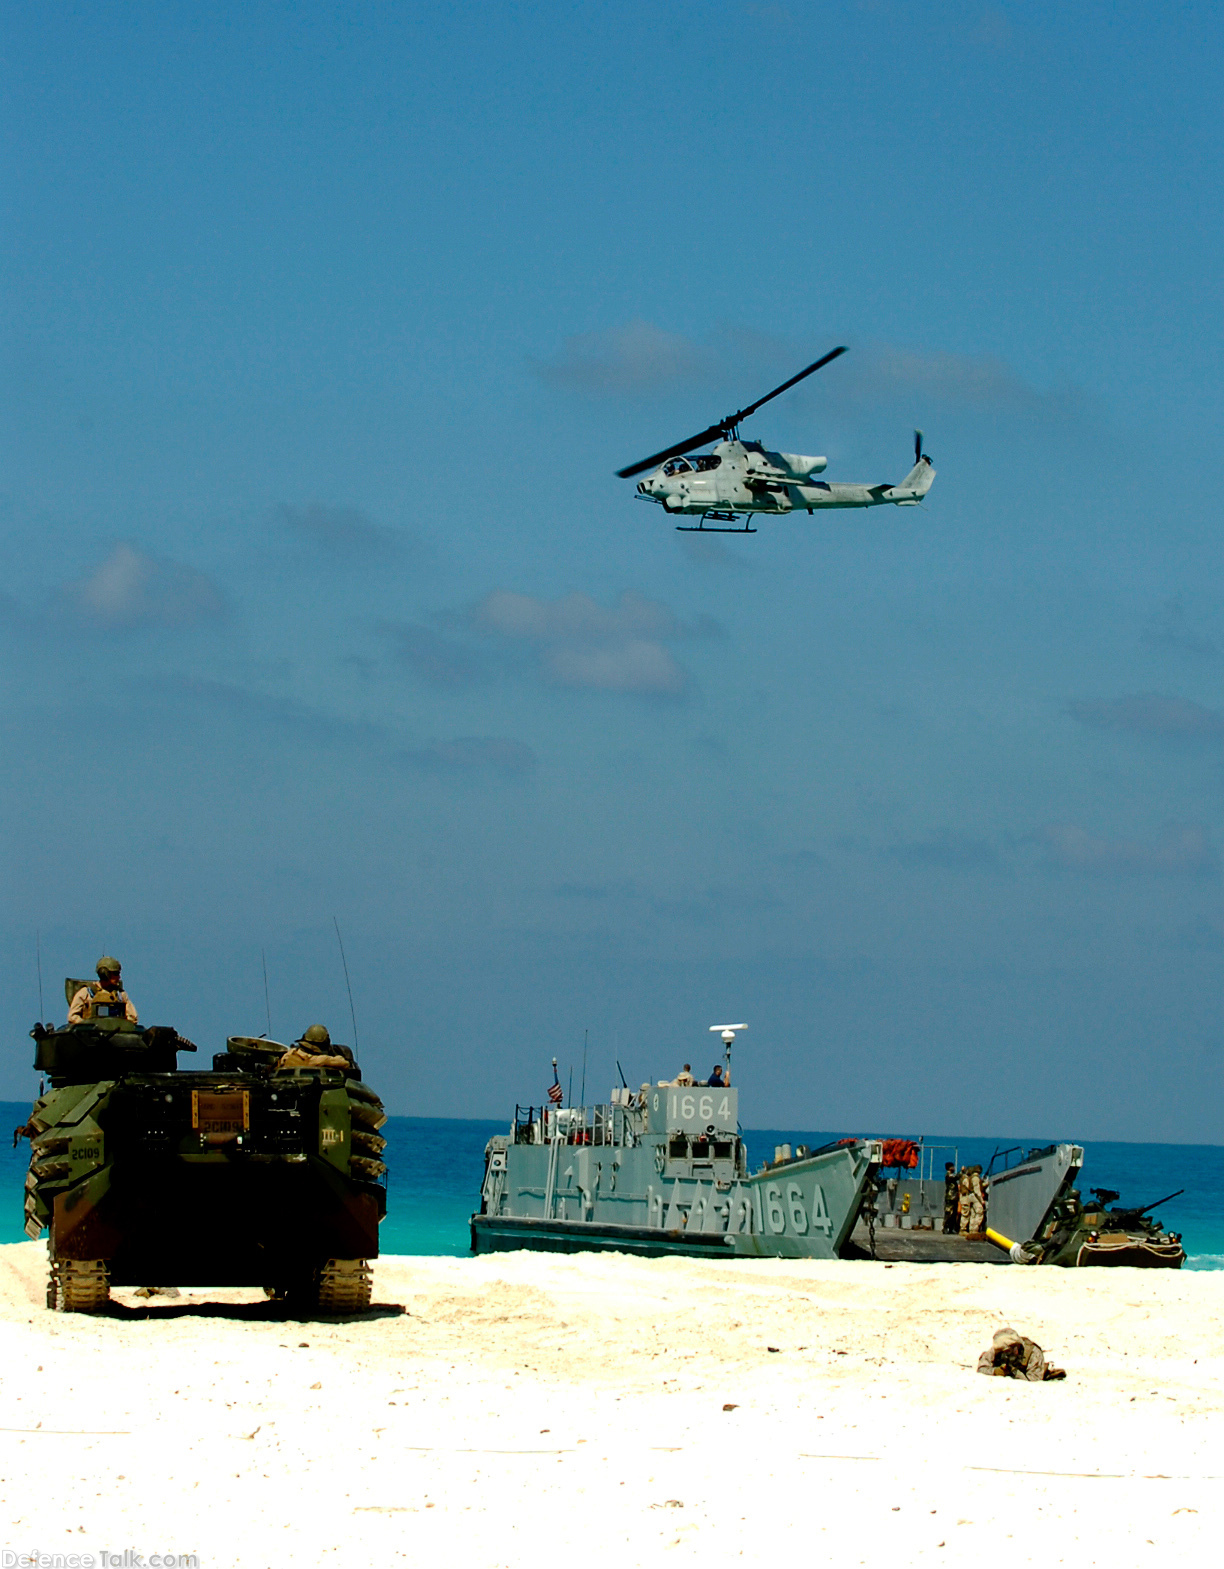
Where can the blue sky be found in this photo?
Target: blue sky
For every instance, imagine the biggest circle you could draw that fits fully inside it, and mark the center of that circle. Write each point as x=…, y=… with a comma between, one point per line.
x=325, y=328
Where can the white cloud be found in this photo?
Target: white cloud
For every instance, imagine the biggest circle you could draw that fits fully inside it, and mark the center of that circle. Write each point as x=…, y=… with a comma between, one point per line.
x=637, y=357
x=632, y=666
x=132, y=589
x=1150, y=713
x=1182, y=850
x=581, y=643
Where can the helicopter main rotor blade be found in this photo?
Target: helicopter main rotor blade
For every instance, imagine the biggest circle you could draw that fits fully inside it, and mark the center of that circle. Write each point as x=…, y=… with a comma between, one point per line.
x=721, y=430
x=817, y=365
x=714, y=433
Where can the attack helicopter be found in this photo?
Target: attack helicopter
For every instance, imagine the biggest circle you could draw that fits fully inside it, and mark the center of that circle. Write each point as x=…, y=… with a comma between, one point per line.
x=741, y=478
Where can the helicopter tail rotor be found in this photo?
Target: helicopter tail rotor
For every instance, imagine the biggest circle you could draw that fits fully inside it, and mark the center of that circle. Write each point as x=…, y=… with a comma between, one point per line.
x=918, y=447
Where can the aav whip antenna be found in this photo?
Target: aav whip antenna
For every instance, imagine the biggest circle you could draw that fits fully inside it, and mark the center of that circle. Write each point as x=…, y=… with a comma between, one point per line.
x=347, y=982
x=263, y=959
x=38, y=961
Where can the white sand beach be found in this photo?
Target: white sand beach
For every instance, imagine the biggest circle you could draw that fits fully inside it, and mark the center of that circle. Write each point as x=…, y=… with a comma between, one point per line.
x=498, y=1411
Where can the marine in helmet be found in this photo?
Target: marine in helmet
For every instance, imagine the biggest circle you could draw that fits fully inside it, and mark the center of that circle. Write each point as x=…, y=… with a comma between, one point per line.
x=972, y=1201
x=315, y=1050
x=1010, y=1355
x=104, y=1000
x=951, y=1218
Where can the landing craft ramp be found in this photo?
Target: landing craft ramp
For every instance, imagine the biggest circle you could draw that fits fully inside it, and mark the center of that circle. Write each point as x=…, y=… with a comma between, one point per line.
x=1022, y=1187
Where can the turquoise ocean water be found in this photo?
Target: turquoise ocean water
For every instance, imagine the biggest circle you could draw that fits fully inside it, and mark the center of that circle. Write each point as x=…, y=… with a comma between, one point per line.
x=436, y=1166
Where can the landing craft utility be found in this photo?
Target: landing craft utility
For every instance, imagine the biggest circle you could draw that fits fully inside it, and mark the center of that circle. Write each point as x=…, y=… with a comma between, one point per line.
x=741, y=478
x=661, y=1171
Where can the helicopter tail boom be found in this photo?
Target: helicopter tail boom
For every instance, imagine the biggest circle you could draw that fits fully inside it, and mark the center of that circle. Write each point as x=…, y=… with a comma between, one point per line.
x=914, y=486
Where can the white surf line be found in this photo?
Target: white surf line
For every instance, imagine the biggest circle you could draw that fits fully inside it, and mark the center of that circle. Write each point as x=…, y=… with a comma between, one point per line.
x=803, y=1456
x=442, y=1449
x=72, y=1432
x=1098, y=1476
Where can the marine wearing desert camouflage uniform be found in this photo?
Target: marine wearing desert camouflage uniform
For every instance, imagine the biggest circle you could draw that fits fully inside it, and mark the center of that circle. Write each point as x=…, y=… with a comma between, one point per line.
x=972, y=1200
x=1010, y=1355
x=106, y=999
x=306, y=1053
x=951, y=1216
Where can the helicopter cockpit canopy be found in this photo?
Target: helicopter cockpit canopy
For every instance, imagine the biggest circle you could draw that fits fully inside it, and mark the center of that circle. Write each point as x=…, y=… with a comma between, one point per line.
x=702, y=464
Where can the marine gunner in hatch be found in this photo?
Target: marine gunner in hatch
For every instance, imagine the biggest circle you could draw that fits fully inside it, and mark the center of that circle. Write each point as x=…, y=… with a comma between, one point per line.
x=106, y=999
x=315, y=1050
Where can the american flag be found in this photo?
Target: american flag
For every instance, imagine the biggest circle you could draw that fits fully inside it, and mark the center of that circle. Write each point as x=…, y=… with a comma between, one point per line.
x=554, y=1090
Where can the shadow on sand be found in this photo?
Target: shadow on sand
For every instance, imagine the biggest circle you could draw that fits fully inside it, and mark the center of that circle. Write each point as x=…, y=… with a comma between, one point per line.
x=247, y=1312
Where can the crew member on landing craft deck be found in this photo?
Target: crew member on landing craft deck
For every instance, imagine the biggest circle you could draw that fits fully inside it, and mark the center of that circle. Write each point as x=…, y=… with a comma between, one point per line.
x=951, y=1217
x=972, y=1201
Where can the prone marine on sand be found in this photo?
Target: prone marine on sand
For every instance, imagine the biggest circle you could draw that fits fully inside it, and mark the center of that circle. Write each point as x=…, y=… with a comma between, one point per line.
x=1010, y=1355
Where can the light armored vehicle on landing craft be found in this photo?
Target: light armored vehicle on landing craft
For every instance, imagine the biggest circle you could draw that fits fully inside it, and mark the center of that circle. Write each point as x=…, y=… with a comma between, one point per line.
x=664, y=1170
x=1080, y=1235
x=249, y=1175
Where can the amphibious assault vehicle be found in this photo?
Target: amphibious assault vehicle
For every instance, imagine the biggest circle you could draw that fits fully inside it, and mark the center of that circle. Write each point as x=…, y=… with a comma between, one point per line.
x=249, y=1175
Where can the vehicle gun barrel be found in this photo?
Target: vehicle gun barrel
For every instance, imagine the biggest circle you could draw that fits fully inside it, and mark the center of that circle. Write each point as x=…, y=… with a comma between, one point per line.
x=1156, y=1203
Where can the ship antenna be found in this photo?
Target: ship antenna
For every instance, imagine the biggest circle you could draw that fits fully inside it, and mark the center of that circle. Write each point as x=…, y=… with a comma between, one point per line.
x=585, y=1035
x=347, y=982
x=728, y=1033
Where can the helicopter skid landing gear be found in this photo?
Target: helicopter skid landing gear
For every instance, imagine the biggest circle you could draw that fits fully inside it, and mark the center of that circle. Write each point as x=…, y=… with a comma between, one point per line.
x=719, y=518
